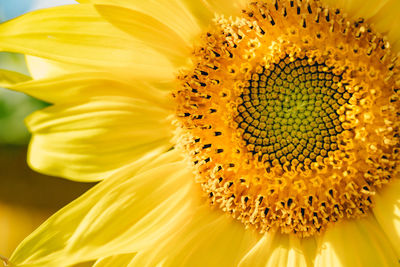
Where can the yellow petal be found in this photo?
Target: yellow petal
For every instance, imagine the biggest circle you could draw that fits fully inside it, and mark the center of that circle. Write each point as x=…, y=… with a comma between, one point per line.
x=171, y=13
x=205, y=10
x=381, y=14
x=184, y=16
x=225, y=7
x=116, y=260
x=387, y=212
x=127, y=213
x=41, y=68
x=149, y=30
x=87, y=141
x=9, y=78
x=356, y=243
x=387, y=21
x=358, y=8
x=209, y=238
x=71, y=34
x=77, y=86
x=275, y=249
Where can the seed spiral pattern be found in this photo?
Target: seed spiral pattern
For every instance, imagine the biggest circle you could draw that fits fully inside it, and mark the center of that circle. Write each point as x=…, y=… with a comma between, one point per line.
x=289, y=112
x=290, y=116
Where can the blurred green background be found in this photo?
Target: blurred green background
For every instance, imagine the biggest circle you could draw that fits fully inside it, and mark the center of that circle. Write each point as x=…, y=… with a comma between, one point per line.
x=15, y=106
x=26, y=198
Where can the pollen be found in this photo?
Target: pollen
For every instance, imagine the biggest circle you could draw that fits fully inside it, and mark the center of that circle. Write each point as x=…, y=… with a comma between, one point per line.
x=290, y=116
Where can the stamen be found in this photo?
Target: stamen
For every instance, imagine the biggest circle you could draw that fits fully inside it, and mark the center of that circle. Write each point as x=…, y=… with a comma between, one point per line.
x=5, y=260
x=290, y=116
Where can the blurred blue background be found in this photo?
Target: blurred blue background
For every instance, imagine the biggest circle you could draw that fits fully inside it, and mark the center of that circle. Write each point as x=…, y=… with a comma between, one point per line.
x=12, y=8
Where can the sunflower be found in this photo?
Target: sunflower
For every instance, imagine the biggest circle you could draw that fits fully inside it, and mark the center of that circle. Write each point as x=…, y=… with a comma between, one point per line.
x=223, y=133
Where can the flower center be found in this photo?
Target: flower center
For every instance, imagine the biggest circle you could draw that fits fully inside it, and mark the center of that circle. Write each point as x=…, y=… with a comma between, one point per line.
x=290, y=116
x=289, y=112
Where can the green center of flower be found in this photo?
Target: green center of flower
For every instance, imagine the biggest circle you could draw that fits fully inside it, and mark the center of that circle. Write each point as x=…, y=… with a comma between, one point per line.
x=289, y=112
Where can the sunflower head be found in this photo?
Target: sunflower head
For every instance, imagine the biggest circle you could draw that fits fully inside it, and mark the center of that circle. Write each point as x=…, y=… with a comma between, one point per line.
x=289, y=115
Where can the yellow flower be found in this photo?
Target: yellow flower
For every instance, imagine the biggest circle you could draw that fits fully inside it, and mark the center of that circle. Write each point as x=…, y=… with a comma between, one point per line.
x=224, y=133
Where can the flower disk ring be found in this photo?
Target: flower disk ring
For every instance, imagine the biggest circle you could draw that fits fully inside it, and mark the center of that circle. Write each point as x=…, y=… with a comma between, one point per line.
x=290, y=115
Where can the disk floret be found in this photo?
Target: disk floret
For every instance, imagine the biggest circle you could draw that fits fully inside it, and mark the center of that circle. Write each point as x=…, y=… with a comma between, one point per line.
x=290, y=116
